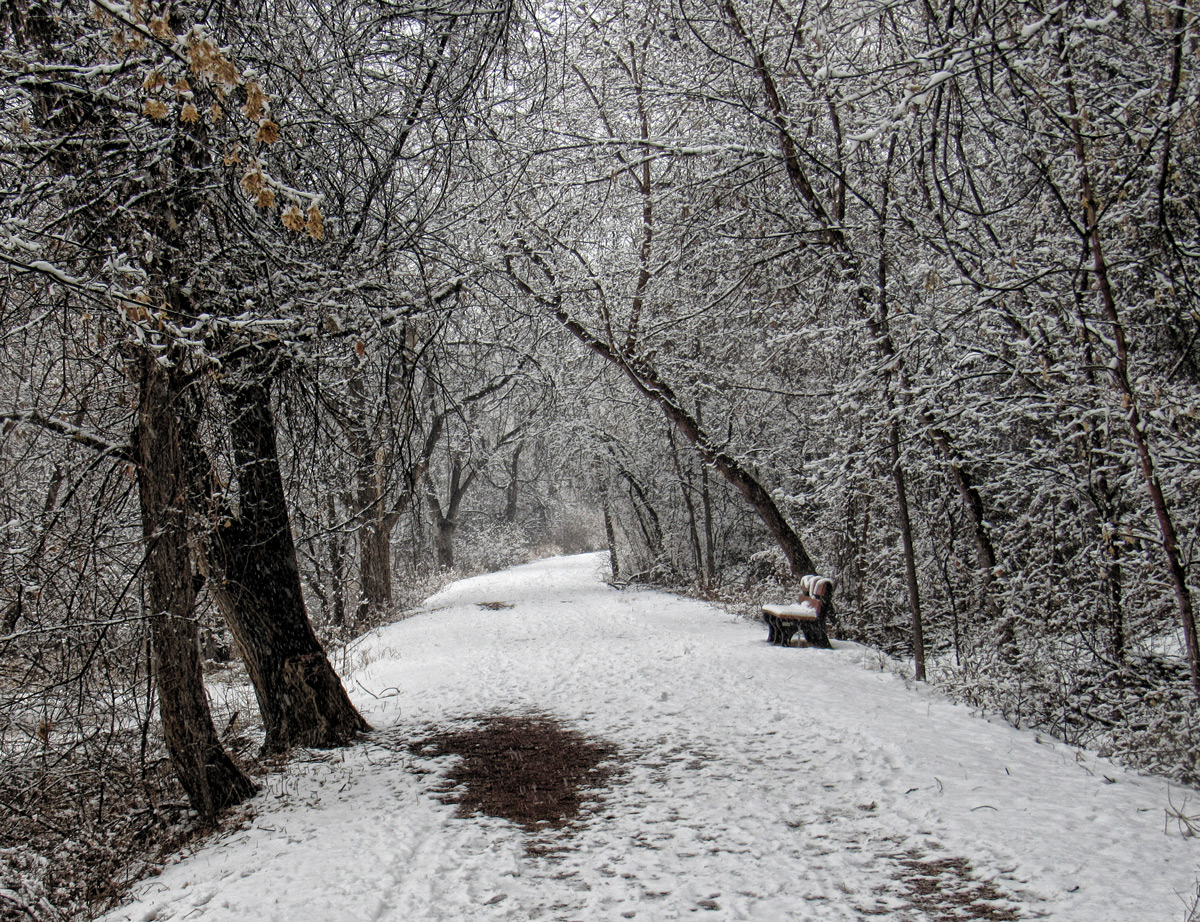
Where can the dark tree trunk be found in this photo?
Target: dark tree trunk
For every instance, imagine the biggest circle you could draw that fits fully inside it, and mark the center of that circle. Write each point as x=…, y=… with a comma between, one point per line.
x=337, y=566
x=685, y=492
x=446, y=520
x=376, y=569
x=443, y=542
x=512, y=492
x=910, y=557
x=610, y=534
x=256, y=582
x=209, y=776
x=710, y=545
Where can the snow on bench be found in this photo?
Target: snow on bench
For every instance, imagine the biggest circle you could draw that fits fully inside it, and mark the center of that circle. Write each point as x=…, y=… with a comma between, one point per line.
x=808, y=614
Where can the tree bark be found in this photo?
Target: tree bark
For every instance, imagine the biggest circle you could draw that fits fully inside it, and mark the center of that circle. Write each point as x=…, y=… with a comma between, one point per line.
x=610, y=533
x=710, y=544
x=512, y=491
x=209, y=776
x=643, y=377
x=375, y=565
x=685, y=492
x=446, y=520
x=255, y=578
x=337, y=566
x=910, y=557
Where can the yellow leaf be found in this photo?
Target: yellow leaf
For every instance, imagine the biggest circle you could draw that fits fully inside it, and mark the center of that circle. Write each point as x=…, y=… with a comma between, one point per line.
x=182, y=86
x=153, y=81
x=189, y=114
x=215, y=113
x=224, y=71
x=155, y=109
x=253, y=181
x=315, y=226
x=160, y=29
x=293, y=218
x=268, y=132
x=255, y=100
x=265, y=199
x=200, y=55
x=234, y=155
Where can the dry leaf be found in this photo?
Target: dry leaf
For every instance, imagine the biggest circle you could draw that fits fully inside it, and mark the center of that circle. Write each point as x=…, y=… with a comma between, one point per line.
x=293, y=218
x=155, y=109
x=253, y=181
x=315, y=226
x=255, y=101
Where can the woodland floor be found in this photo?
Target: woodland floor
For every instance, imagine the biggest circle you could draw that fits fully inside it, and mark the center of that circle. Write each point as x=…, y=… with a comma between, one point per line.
x=548, y=747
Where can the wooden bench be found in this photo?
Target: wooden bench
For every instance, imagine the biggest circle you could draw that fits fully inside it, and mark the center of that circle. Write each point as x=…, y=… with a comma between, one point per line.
x=808, y=614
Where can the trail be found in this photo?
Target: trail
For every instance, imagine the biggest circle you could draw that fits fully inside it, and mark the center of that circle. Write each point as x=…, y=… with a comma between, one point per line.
x=756, y=783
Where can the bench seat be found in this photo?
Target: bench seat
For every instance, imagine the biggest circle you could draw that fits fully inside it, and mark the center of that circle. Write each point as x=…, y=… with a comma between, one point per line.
x=808, y=614
x=804, y=611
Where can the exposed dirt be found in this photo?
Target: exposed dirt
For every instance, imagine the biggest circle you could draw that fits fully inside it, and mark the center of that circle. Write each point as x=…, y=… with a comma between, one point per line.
x=528, y=769
x=946, y=889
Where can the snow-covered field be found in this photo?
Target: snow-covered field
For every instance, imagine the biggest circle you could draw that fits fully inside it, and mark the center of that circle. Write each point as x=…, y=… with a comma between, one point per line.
x=761, y=783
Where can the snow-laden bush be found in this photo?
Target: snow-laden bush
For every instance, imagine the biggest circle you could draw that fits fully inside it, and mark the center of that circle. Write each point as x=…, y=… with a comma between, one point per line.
x=487, y=548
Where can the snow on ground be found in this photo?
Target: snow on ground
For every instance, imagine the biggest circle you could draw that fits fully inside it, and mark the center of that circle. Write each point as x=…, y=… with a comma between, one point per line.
x=761, y=783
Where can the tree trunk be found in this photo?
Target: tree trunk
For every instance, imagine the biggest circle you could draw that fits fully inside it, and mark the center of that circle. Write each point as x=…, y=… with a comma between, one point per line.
x=910, y=557
x=337, y=566
x=512, y=492
x=610, y=533
x=209, y=776
x=256, y=582
x=685, y=492
x=710, y=545
x=443, y=542
x=446, y=521
x=376, y=569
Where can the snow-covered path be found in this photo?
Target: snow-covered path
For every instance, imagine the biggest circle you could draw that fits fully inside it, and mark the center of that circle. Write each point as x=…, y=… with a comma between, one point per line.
x=762, y=783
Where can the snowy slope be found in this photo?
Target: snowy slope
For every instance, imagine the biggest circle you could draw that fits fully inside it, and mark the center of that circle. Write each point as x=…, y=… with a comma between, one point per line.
x=763, y=783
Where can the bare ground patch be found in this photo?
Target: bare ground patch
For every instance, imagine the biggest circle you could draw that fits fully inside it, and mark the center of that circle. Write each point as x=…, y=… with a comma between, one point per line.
x=529, y=769
x=944, y=889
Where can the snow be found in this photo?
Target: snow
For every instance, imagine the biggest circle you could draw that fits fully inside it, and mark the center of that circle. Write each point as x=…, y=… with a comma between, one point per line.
x=803, y=610
x=760, y=783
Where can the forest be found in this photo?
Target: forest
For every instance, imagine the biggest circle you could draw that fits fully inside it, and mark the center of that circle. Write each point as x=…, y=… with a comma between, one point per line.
x=307, y=306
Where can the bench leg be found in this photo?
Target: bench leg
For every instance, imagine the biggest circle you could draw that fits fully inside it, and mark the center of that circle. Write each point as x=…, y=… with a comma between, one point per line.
x=816, y=634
